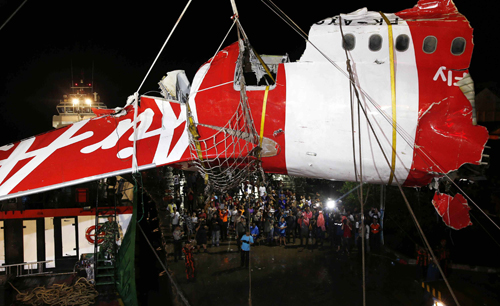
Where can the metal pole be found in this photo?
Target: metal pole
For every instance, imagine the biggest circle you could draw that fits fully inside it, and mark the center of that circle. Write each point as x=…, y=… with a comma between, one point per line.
x=382, y=212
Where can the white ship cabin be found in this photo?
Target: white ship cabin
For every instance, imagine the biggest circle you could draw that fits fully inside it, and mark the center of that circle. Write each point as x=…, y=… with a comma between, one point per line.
x=77, y=106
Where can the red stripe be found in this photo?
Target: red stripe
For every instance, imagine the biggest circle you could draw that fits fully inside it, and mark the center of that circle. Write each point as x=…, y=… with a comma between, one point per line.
x=59, y=212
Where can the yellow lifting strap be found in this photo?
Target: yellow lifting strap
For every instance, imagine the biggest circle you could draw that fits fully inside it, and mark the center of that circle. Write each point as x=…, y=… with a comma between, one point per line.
x=194, y=132
x=263, y=118
x=393, y=96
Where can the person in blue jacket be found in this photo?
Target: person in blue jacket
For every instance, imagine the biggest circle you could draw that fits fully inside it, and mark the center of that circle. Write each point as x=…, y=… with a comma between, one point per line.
x=254, y=232
x=246, y=242
x=282, y=228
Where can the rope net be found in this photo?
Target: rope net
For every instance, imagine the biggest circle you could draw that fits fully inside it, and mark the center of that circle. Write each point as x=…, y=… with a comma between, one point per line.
x=232, y=154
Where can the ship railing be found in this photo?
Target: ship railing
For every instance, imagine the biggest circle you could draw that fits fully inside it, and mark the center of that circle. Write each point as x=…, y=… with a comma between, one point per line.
x=26, y=268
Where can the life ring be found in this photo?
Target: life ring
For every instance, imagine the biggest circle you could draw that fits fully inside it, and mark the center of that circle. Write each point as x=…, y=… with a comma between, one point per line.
x=90, y=234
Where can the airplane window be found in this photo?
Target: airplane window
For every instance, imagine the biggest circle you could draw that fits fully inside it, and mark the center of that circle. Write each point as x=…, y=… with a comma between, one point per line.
x=458, y=46
x=375, y=42
x=430, y=44
x=348, y=42
x=402, y=42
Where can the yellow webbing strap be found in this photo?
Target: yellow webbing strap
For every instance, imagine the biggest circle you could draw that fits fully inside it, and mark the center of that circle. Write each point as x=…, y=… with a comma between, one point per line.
x=263, y=118
x=393, y=96
x=194, y=132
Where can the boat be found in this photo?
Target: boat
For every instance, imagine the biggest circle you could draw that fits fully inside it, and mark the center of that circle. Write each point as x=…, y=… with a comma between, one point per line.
x=405, y=90
x=78, y=105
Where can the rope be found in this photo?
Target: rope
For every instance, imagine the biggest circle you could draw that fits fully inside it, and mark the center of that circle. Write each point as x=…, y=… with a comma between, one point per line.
x=12, y=15
x=360, y=195
x=410, y=141
x=164, y=44
x=411, y=210
x=81, y=293
x=164, y=268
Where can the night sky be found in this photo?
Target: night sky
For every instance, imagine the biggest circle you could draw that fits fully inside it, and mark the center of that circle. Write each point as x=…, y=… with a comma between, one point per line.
x=121, y=40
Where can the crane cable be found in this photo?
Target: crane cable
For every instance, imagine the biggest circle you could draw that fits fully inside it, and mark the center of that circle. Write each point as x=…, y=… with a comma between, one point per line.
x=360, y=192
x=410, y=141
x=419, y=228
x=135, y=168
x=12, y=15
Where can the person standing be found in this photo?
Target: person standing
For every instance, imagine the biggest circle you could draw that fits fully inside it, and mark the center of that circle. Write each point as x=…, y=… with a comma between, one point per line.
x=268, y=228
x=201, y=235
x=108, y=247
x=282, y=229
x=320, y=229
x=423, y=259
x=175, y=217
x=375, y=229
x=215, y=227
x=223, y=215
x=347, y=236
x=177, y=242
x=246, y=242
x=291, y=225
x=443, y=256
x=254, y=231
x=188, y=260
x=304, y=223
x=240, y=227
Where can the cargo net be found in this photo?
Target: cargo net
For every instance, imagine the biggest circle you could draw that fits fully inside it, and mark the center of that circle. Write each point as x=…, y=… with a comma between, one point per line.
x=232, y=153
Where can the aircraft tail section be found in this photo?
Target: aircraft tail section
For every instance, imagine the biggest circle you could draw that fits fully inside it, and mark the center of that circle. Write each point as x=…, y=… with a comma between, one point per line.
x=97, y=148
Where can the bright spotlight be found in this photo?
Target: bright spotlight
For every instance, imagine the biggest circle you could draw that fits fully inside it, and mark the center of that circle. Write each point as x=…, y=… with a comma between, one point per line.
x=330, y=204
x=88, y=101
x=75, y=101
x=438, y=303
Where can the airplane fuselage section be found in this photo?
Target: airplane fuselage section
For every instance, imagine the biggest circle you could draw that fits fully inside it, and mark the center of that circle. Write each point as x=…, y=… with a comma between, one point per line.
x=402, y=116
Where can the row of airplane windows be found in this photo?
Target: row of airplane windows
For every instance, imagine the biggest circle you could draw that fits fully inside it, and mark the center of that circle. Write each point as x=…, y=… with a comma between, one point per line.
x=402, y=43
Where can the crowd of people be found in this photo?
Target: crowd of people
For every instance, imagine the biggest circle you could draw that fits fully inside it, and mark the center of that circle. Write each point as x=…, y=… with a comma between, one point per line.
x=278, y=218
x=273, y=216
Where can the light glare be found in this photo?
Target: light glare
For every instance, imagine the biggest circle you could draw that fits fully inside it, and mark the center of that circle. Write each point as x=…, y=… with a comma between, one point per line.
x=330, y=204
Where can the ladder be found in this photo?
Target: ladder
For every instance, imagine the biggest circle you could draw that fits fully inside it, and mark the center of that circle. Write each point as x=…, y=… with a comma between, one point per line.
x=105, y=247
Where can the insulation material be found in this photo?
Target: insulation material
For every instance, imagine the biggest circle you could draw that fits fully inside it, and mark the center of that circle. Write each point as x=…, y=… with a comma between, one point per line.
x=453, y=210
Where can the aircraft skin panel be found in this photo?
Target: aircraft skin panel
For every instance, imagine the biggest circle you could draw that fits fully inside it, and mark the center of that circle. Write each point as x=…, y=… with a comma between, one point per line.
x=307, y=116
x=321, y=145
x=446, y=137
x=216, y=99
x=94, y=148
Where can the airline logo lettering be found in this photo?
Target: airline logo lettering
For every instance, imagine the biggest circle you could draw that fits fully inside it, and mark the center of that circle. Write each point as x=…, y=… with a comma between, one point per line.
x=97, y=146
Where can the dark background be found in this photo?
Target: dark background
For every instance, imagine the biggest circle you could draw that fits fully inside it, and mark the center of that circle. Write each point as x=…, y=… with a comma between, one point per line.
x=44, y=40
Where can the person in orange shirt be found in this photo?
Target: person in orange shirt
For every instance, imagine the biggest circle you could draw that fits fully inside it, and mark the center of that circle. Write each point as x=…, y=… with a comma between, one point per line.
x=223, y=213
x=423, y=259
x=375, y=229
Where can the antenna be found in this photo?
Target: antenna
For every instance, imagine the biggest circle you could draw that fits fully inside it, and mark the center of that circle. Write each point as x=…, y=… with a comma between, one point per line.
x=72, y=82
x=92, y=84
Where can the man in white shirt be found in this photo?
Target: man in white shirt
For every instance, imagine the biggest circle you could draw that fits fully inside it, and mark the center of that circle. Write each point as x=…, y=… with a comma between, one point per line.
x=175, y=216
